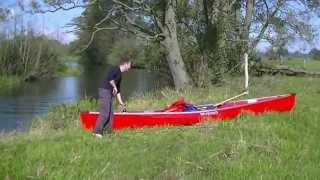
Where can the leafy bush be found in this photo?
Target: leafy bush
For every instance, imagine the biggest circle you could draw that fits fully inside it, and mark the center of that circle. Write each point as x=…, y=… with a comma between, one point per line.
x=126, y=47
x=150, y=55
x=315, y=53
x=27, y=55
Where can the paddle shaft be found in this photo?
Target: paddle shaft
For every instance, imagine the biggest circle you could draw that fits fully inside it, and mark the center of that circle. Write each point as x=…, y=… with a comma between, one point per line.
x=227, y=100
x=232, y=98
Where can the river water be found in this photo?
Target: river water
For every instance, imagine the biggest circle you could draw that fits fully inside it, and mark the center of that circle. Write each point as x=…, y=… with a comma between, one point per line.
x=20, y=105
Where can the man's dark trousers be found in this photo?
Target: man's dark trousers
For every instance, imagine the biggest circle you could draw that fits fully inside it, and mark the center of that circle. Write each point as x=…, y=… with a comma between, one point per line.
x=106, y=112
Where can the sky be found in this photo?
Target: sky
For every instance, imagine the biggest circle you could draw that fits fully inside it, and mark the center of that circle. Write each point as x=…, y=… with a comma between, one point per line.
x=53, y=25
x=50, y=24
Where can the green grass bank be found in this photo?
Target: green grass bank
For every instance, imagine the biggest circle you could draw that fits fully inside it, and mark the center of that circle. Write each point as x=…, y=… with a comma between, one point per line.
x=9, y=82
x=272, y=146
x=297, y=63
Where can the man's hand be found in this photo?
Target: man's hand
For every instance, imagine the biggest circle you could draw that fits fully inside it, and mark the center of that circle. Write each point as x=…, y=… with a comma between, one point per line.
x=122, y=104
x=114, y=91
x=123, y=107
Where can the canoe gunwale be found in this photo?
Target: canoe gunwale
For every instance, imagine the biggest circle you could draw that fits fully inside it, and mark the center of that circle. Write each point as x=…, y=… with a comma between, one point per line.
x=270, y=98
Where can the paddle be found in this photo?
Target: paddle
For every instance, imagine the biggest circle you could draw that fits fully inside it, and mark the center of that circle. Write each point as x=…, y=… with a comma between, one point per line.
x=222, y=102
x=232, y=98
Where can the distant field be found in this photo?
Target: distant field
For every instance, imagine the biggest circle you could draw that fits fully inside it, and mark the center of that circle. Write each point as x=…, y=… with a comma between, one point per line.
x=299, y=63
x=271, y=146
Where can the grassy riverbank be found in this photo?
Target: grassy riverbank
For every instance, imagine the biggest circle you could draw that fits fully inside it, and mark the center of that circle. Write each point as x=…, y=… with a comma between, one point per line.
x=272, y=146
x=64, y=70
x=9, y=82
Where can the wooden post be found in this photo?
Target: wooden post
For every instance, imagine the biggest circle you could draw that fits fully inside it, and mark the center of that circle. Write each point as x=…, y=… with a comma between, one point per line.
x=246, y=85
x=246, y=73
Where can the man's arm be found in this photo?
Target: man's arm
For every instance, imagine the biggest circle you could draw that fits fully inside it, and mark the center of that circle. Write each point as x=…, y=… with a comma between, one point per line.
x=113, y=84
x=120, y=99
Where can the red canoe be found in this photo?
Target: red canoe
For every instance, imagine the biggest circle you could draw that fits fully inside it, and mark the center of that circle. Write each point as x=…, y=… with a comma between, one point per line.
x=228, y=110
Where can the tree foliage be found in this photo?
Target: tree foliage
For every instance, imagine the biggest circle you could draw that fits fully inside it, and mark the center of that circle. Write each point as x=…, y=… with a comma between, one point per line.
x=315, y=54
x=4, y=13
x=103, y=41
x=213, y=35
x=29, y=55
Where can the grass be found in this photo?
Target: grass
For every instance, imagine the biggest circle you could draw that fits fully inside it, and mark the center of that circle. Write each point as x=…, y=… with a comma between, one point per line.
x=298, y=63
x=65, y=70
x=9, y=82
x=272, y=146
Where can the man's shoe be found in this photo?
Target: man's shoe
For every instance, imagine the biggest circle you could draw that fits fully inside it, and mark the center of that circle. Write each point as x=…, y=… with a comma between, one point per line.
x=97, y=135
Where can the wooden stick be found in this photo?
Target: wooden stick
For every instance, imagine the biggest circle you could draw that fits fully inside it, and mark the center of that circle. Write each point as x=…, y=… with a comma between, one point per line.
x=232, y=98
x=224, y=101
x=246, y=85
x=246, y=73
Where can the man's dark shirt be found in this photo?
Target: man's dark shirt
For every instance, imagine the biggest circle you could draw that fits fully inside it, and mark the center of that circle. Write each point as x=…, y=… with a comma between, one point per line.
x=114, y=73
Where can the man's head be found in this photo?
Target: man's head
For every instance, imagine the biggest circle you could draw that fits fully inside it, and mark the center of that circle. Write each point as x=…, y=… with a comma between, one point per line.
x=125, y=64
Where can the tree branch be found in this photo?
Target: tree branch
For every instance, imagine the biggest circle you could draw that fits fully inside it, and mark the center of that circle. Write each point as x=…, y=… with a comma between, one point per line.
x=97, y=29
x=126, y=6
x=144, y=8
x=264, y=27
x=267, y=7
x=93, y=35
x=58, y=6
x=142, y=29
x=133, y=27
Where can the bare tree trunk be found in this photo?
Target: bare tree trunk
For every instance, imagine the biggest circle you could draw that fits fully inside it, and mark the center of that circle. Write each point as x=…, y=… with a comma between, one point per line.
x=177, y=67
x=24, y=54
x=202, y=69
x=237, y=20
x=36, y=67
x=247, y=23
x=27, y=56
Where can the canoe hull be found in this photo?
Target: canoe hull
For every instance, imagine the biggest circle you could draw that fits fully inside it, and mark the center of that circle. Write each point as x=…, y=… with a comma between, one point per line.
x=230, y=110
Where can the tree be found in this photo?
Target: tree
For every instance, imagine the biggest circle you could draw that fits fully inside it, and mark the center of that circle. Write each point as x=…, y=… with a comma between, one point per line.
x=27, y=55
x=206, y=33
x=4, y=16
x=203, y=36
x=272, y=18
x=94, y=49
x=4, y=13
x=152, y=20
x=315, y=53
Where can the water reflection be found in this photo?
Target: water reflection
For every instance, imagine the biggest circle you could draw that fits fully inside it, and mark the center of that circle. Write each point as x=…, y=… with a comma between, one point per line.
x=19, y=106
